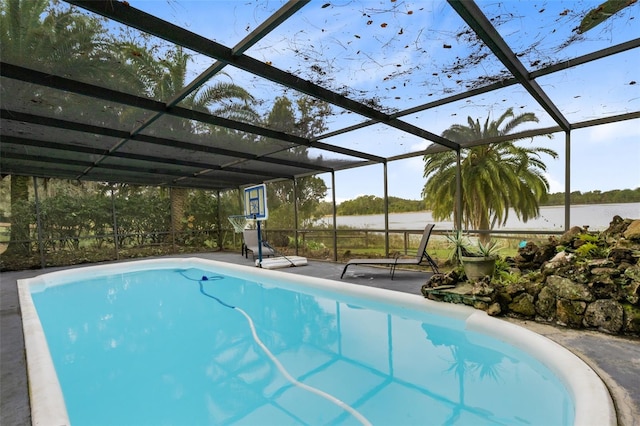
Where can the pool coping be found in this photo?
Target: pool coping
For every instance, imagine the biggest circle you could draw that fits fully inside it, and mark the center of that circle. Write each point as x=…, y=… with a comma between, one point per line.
x=592, y=400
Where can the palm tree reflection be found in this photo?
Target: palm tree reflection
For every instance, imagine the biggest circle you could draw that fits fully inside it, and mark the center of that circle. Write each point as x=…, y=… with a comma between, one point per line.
x=467, y=360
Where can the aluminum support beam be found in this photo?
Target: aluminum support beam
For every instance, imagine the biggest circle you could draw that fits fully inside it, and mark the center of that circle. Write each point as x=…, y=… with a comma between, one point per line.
x=334, y=216
x=85, y=89
x=623, y=47
x=119, y=167
x=432, y=149
x=287, y=10
x=43, y=263
x=71, y=125
x=14, y=140
x=458, y=217
x=567, y=181
x=473, y=16
x=385, y=178
x=145, y=22
x=296, y=234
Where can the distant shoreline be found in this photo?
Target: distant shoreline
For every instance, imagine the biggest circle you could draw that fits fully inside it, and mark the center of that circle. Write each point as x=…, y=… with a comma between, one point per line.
x=541, y=207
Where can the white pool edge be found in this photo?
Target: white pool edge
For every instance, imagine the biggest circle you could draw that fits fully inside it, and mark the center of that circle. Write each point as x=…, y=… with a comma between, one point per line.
x=593, y=402
x=45, y=394
x=591, y=398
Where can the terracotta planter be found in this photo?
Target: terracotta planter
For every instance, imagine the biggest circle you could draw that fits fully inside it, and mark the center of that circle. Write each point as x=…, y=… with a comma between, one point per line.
x=476, y=267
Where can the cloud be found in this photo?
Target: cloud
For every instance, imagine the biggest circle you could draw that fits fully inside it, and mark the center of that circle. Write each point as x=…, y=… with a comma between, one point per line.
x=554, y=184
x=608, y=133
x=415, y=166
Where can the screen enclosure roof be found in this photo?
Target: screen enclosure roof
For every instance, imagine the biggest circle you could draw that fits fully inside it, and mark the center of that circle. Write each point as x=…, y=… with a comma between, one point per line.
x=394, y=74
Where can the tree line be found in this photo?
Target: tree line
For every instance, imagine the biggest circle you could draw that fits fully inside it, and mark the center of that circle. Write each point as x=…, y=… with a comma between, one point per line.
x=371, y=204
x=57, y=38
x=594, y=197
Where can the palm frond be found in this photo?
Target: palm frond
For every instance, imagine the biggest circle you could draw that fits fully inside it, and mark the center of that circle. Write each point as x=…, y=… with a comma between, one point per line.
x=495, y=178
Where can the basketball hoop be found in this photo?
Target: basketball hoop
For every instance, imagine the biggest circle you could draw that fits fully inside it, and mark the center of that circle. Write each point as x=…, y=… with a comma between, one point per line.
x=239, y=222
x=255, y=202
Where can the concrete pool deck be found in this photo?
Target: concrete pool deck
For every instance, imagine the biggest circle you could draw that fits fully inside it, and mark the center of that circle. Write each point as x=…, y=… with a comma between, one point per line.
x=615, y=359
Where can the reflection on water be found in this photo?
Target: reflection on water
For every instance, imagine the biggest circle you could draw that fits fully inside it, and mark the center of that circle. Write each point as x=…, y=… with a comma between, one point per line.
x=180, y=357
x=467, y=363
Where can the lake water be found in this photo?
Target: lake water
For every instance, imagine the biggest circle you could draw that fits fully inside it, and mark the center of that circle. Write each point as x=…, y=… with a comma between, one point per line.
x=596, y=216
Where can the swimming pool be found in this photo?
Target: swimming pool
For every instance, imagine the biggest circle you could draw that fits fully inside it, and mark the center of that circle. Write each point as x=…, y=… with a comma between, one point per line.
x=200, y=343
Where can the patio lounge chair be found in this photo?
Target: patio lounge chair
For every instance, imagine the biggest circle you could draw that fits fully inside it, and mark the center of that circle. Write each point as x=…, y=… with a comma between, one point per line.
x=421, y=256
x=251, y=244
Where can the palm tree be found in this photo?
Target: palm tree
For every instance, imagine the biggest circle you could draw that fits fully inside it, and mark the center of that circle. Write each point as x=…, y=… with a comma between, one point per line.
x=50, y=37
x=495, y=177
x=54, y=38
x=166, y=78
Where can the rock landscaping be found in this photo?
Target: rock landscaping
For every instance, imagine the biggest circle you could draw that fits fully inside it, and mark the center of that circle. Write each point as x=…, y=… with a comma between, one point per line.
x=582, y=279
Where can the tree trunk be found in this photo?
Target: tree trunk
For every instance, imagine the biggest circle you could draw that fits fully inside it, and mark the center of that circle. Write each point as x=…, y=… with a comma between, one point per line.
x=178, y=198
x=484, y=225
x=19, y=227
x=480, y=219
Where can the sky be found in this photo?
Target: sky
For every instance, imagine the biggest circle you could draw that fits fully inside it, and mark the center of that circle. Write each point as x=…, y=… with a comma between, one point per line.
x=399, y=54
x=602, y=158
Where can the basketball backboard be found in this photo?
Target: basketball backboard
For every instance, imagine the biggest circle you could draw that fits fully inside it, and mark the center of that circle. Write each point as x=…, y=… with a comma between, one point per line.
x=255, y=202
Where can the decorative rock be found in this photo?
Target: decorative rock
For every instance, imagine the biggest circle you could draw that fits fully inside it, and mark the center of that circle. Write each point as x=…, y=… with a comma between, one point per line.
x=633, y=231
x=514, y=288
x=503, y=298
x=546, y=304
x=434, y=296
x=482, y=288
x=577, y=243
x=601, y=263
x=479, y=304
x=579, y=274
x=621, y=254
x=604, y=287
x=523, y=305
x=609, y=272
x=622, y=266
x=531, y=257
x=528, y=252
x=571, y=289
x=570, y=312
x=546, y=252
x=604, y=314
x=558, y=260
x=631, y=319
x=453, y=298
x=631, y=292
x=633, y=273
x=438, y=280
x=533, y=287
x=494, y=309
x=568, y=237
x=616, y=228
x=567, y=289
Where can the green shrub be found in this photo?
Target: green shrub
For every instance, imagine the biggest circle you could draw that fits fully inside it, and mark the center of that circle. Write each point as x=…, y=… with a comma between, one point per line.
x=592, y=250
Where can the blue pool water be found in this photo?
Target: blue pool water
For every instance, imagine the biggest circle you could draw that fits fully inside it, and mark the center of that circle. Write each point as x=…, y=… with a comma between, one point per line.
x=196, y=347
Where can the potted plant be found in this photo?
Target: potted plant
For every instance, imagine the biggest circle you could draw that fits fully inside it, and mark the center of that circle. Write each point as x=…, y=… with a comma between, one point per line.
x=460, y=245
x=481, y=261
